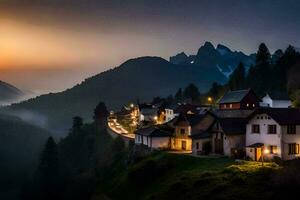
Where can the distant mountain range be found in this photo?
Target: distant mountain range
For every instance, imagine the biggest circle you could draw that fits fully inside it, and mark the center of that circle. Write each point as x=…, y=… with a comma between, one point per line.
x=221, y=58
x=9, y=93
x=140, y=78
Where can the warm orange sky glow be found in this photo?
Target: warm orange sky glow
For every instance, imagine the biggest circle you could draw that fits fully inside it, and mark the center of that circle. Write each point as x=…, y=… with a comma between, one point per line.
x=77, y=38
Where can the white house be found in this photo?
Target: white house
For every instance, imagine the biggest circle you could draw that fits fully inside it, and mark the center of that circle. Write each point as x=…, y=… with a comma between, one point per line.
x=276, y=100
x=273, y=132
x=153, y=137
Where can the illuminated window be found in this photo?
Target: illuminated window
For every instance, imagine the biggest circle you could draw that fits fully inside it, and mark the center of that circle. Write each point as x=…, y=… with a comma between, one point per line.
x=273, y=149
x=224, y=105
x=253, y=105
x=230, y=105
x=247, y=104
x=293, y=148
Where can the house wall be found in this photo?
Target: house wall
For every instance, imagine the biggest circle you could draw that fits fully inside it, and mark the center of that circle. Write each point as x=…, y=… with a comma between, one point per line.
x=187, y=130
x=263, y=120
x=250, y=101
x=138, y=139
x=289, y=138
x=267, y=100
x=233, y=142
x=160, y=142
x=200, y=142
x=276, y=103
x=176, y=144
x=169, y=113
x=228, y=106
x=205, y=123
x=281, y=104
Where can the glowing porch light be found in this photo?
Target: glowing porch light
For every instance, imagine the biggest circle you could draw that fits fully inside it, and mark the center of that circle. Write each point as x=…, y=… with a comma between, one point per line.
x=266, y=151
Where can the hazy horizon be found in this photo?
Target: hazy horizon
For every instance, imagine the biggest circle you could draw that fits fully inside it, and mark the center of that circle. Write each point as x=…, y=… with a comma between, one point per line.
x=52, y=45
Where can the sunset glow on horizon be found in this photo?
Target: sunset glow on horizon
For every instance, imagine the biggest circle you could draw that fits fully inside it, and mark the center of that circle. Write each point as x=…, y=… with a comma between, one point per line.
x=88, y=38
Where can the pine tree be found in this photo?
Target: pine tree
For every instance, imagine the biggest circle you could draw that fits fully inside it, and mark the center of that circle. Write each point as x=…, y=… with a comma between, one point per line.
x=179, y=96
x=259, y=76
x=100, y=113
x=191, y=92
x=48, y=170
x=77, y=125
x=237, y=79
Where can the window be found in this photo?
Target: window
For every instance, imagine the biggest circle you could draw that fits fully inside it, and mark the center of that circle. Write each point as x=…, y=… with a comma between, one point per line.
x=272, y=129
x=182, y=131
x=253, y=105
x=293, y=148
x=255, y=128
x=291, y=129
x=224, y=105
x=197, y=145
x=230, y=105
x=273, y=149
x=247, y=104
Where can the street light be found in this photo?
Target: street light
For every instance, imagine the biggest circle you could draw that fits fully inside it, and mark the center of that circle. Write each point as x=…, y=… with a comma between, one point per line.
x=209, y=99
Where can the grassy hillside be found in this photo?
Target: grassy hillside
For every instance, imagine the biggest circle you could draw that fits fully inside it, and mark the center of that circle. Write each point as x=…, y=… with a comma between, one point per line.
x=170, y=176
x=141, y=78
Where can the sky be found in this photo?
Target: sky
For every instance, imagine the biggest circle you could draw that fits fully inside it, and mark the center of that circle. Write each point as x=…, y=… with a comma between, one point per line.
x=51, y=45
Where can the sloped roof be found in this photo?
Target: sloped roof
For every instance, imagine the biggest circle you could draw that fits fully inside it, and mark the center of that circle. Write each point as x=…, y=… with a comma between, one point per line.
x=232, y=113
x=156, y=131
x=233, y=126
x=181, y=120
x=203, y=135
x=282, y=116
x=234, y=96
x=279, y=95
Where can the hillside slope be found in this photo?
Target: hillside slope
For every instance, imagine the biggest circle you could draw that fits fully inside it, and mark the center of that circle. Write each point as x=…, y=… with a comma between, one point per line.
x=141, y=78
x=20, y=146
x=8, y=93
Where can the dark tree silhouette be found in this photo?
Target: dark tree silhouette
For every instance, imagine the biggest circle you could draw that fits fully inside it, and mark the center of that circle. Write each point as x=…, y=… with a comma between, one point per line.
x=100, y=111
x=237, y=79
x=192, y=92
x=48, y=170
x=77, y=125
x=179, y=96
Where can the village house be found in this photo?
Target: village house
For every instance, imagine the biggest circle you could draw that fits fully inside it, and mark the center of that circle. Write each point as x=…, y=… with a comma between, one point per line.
x=273, y=132
x=276, y=100
x=176, y=134
x=228, y=134
x=239, y=99
x=173, y=110
x=148, y=112
x=154, y=137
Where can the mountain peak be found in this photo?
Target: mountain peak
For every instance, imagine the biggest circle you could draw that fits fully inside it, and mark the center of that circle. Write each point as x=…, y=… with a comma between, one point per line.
x=222, y=49
x=208, y=45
